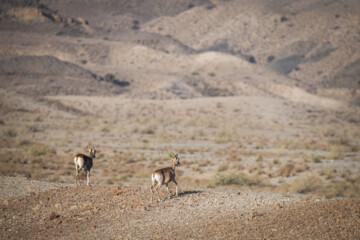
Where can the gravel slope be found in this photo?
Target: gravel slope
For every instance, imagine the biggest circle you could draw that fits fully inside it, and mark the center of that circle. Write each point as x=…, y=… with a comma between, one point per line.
x=117, y=212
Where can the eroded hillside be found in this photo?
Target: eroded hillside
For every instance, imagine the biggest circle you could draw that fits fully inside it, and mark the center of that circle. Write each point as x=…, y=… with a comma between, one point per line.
x=297, y=44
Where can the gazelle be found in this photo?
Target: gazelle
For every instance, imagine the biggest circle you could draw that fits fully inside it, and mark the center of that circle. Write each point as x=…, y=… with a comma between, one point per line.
x=164, y=176
x=84, y=162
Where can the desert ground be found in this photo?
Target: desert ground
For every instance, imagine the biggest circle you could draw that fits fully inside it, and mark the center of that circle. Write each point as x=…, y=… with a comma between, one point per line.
x=260, y=99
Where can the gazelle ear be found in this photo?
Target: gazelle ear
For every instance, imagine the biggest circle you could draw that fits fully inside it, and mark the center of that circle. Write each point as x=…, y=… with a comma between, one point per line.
x=171, y=154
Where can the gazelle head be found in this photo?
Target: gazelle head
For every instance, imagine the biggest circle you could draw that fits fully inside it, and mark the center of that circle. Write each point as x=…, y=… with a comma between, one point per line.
x=92, y=151
x=175, y=159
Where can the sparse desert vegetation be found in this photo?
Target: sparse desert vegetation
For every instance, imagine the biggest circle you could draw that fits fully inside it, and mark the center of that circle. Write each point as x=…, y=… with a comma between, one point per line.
x=140, y=136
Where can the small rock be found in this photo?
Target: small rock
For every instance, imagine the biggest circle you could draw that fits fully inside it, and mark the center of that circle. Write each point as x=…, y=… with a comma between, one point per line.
x=37, y=207
x=6, y=202
x=73, y=207
x=52, y=216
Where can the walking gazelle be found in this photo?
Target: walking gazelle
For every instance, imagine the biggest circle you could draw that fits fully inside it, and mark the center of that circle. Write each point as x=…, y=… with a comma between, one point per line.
x=164, y=176
x=84, y=162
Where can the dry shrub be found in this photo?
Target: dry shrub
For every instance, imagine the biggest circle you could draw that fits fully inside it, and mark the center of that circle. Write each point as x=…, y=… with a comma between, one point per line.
x=234, y=156
x=117, y=180
x=286, y=144
x=10, y=133
x=315, y=158
x=151, y=129
x=305, y=184
x=286, y=170
x=204, y=163
x=253, y=168
x=33, y=129
x=299, y=169
x=27, y=175
x=23, y=142
x=276, y=161
x=222, y=168
x=260, y=172
x=37, y=150
x=129, y=157
x=38, y=176
x=55, y=178
x=233, y=179
x=338, y=151
x=259, y=158
x=342, y=188
x=224, y=136
x=238, y=166
x=328, y=172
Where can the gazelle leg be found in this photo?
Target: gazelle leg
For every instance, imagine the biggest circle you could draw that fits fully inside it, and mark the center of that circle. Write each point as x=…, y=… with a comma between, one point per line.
x=88, y=177
x=176, y=187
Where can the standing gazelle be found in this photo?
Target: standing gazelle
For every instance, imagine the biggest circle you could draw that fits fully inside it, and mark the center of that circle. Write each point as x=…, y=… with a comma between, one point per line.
x=84, y=162
x=164, y=176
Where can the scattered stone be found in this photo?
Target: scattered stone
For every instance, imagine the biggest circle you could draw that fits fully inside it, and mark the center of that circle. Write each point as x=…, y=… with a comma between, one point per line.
x=73, y=207
x=37, y=207
x=52, y=216
x=278, y=206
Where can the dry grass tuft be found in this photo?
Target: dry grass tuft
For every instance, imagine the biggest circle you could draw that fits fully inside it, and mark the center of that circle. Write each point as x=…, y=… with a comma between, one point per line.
x=37, y=150
x=234, y=179
x=222, y=168
x=286, y=170
x=304, y=184
x=10, y=133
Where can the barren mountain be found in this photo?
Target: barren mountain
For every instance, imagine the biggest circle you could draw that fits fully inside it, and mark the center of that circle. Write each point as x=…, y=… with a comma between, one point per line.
x=301, y=41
